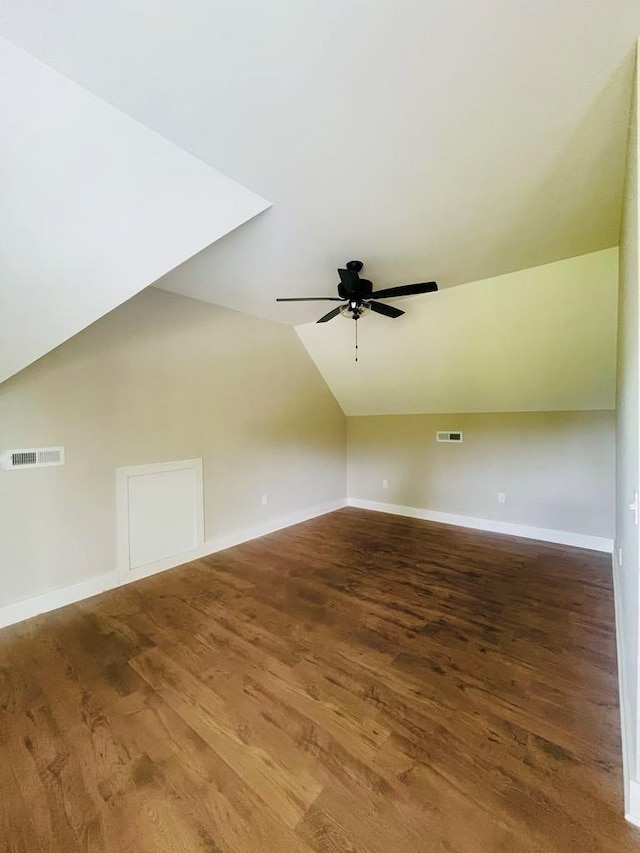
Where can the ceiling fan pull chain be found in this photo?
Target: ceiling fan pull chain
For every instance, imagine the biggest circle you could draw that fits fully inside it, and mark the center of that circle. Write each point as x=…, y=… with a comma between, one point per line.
x=356, y=339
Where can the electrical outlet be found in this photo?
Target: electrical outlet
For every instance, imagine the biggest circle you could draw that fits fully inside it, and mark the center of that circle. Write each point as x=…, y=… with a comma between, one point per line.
x=501, y=497
x=385, y=484
x=265, y=500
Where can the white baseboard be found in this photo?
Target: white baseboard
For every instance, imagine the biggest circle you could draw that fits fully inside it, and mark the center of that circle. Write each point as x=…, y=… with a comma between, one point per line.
x=632, y=806
x=245, y=535
x=559, y=537
x=220, y=543
x=28, y=607
x=25, y=609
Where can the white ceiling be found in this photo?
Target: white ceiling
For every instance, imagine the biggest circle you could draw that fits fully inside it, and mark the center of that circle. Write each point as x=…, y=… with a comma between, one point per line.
x=447, y=140
x=93, y=208
x=541, y=339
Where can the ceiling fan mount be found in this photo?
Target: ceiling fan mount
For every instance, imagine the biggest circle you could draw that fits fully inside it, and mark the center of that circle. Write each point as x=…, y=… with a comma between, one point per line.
x=357, y=295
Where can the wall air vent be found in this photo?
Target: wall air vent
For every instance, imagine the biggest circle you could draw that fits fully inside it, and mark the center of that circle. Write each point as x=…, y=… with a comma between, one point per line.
x=452, y=436
x=34, y=457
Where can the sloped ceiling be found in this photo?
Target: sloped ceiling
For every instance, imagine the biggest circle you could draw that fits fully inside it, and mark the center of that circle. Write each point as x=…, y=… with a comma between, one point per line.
x=93, y=208
x=454, y=141
x=541, y=339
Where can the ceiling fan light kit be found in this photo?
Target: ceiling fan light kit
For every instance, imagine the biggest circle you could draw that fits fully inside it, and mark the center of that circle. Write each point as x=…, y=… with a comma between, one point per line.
x=358, y=296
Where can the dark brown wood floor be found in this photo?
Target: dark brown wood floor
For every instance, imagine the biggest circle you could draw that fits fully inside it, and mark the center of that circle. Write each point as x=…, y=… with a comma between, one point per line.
x=359, y=683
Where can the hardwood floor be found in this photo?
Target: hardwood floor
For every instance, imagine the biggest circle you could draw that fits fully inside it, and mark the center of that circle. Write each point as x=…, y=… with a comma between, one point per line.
x=360, y=683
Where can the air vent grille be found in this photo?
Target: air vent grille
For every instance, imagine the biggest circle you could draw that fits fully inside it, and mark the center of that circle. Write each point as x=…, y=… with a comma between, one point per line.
x=453, y=436
x=34, y=457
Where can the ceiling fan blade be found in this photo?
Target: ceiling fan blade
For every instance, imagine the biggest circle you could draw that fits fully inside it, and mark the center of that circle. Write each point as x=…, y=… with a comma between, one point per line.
x=310, y=299
x=406, y=290
x=349, y=280
x=330, y=315
x=387, y=310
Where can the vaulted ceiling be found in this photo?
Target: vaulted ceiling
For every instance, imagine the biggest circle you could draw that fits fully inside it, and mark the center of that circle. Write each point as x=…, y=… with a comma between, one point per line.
x=94, y=207
x=443, y=140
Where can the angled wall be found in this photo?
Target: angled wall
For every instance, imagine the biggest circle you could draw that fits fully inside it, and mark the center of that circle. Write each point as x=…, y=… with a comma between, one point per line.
x=162, y=378
x=94, y=207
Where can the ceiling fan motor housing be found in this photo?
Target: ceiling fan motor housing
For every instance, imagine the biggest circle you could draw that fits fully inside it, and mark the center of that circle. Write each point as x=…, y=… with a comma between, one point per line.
x=362, y=290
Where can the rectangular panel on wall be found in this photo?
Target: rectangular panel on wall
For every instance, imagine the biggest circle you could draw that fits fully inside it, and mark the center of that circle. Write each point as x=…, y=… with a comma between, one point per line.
x=160, y=515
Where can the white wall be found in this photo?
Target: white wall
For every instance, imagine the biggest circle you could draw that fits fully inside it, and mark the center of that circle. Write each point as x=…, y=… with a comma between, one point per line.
x=161, y=378
x=93, y=208
x=627, y=474
x=556, y=469
x=541, y=339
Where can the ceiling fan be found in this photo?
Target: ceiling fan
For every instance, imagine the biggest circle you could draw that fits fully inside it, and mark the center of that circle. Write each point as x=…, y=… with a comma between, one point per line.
x=357, y=295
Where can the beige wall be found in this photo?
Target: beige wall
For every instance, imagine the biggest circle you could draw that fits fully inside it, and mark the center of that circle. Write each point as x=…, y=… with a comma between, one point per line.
x=161, y=378
x=556, y=468
x=627, y=458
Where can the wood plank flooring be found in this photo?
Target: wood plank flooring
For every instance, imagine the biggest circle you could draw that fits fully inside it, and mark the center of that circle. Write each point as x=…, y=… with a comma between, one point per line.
x=360, y=683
